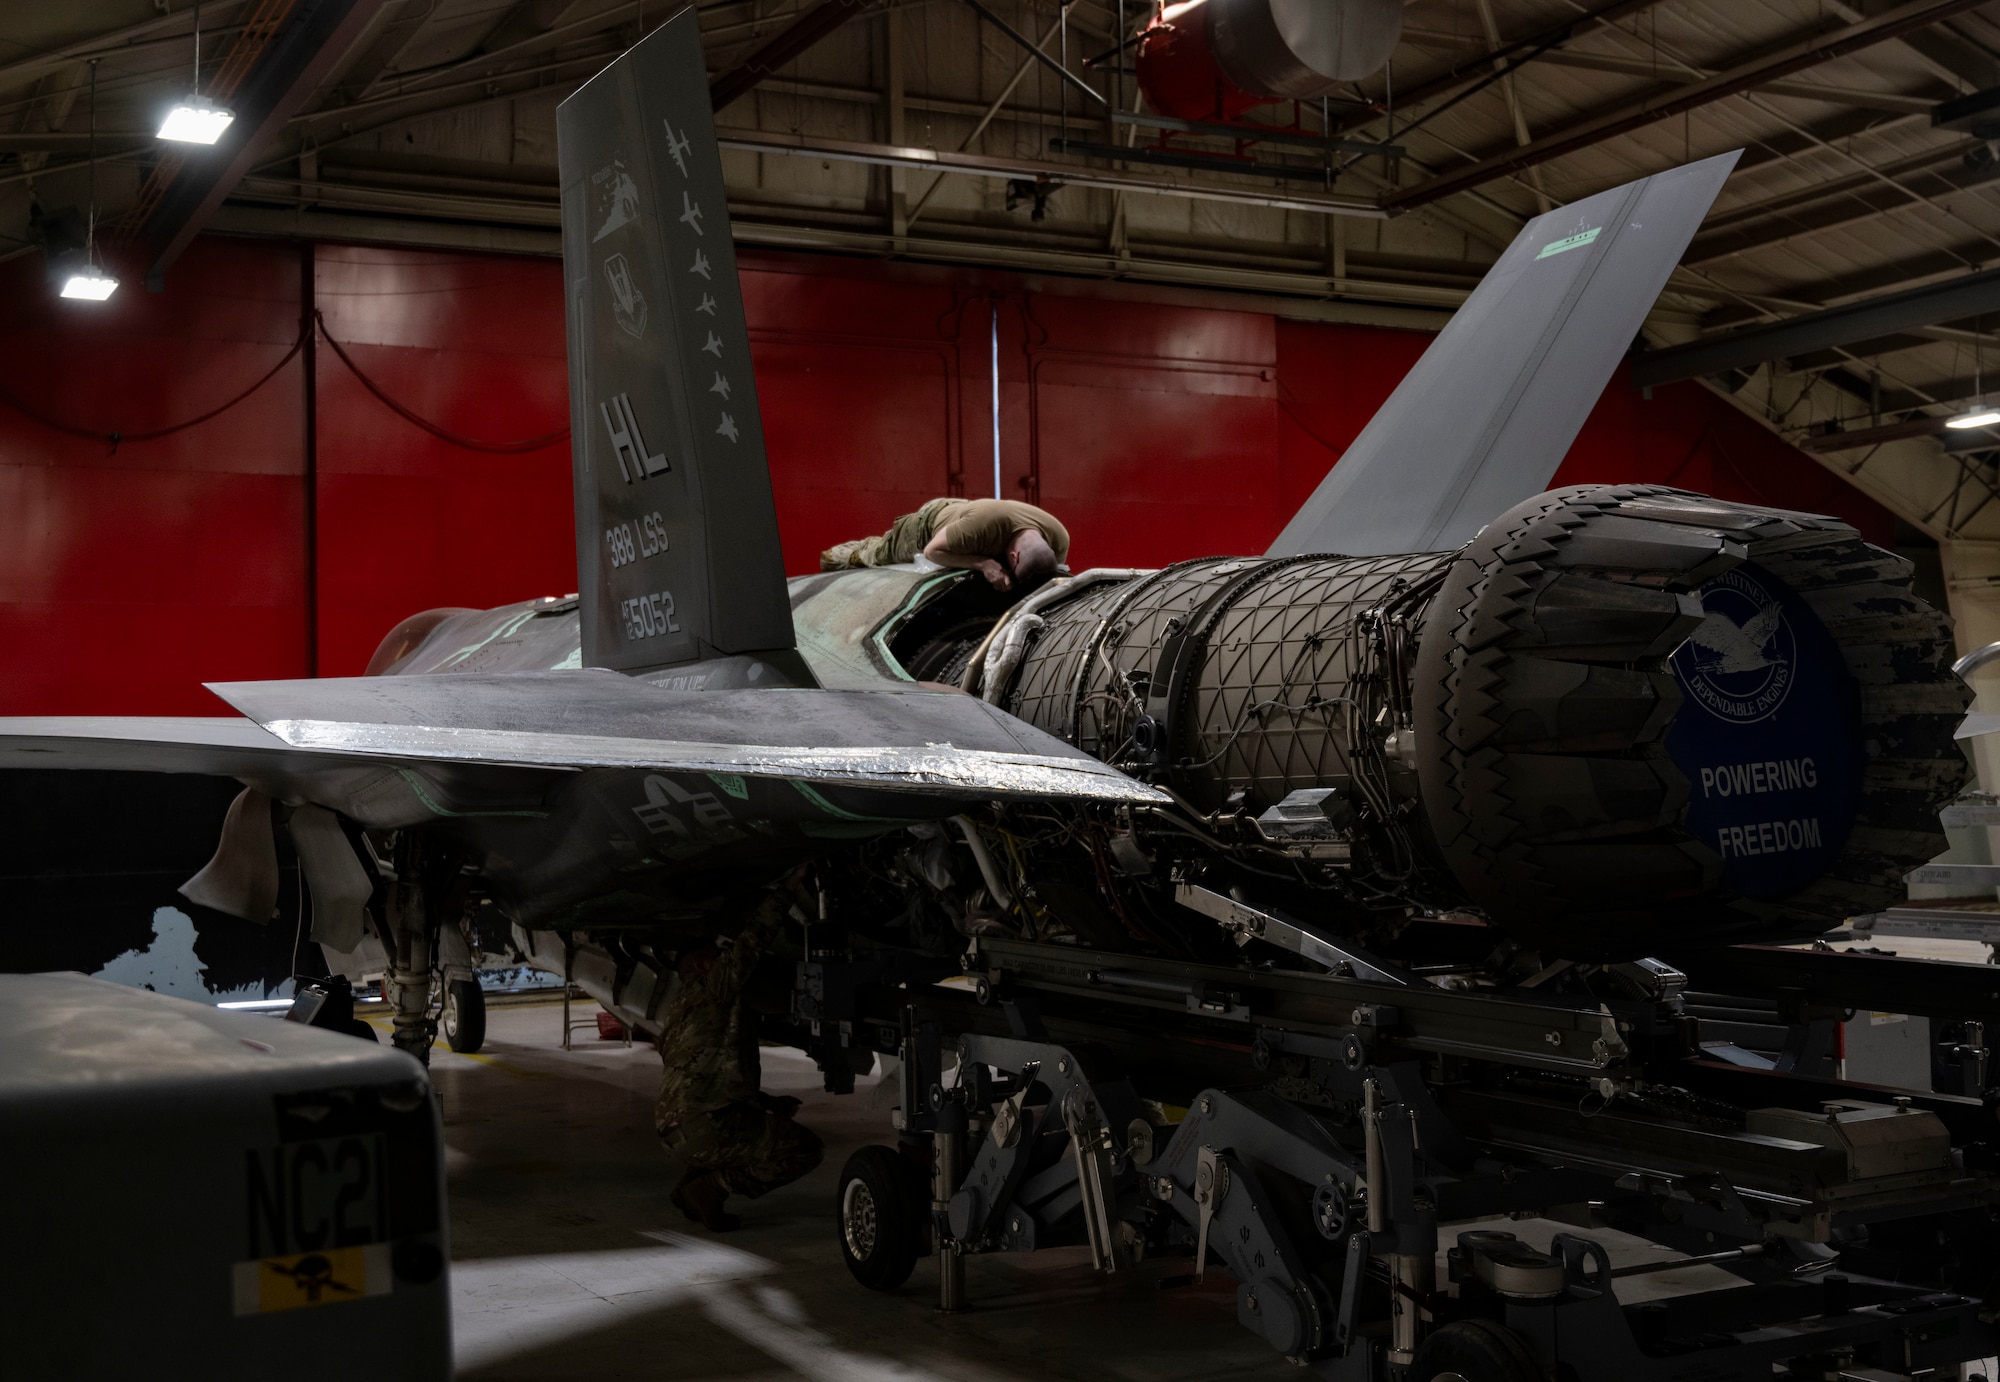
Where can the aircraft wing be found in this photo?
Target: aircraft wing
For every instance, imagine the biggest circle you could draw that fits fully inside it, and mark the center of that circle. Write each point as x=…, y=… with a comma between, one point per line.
x=1486, y=416
x=485, y=732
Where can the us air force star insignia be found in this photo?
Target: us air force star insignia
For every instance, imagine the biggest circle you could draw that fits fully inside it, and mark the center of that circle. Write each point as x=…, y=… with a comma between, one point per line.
x=714, y=346
x=728, y=427
x=690, y=213
x=677, y=148
x=700, y=265
x=720, y=385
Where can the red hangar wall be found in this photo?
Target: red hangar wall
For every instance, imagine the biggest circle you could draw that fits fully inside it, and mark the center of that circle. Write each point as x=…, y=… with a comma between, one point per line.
x=412, y=450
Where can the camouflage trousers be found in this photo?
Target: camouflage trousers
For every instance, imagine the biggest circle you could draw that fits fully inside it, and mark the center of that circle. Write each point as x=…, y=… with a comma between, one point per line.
x=906, y=537
x=754, y=1151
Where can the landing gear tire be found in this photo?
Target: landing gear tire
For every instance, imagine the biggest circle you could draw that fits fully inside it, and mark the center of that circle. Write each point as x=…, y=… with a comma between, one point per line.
x=1475, y=1351
x=878, y=1214
x=464, y=1016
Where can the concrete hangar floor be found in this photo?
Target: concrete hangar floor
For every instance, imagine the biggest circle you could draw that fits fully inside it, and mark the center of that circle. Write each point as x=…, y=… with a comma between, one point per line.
x=569, y=1262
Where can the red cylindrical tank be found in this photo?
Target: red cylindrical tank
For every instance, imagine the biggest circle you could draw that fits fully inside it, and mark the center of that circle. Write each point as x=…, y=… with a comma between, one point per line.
x=1177, y=71
x=1215, y=59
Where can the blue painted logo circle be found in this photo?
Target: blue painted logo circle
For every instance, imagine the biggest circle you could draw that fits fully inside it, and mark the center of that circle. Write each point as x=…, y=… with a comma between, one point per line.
x=1768, y=734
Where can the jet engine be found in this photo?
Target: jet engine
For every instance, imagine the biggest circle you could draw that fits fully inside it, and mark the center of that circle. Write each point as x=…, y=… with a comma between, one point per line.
x=1621, y=720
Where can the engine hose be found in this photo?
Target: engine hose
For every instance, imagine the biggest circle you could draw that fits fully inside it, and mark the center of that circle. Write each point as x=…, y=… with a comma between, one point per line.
x=991, y=688
x=984, y=858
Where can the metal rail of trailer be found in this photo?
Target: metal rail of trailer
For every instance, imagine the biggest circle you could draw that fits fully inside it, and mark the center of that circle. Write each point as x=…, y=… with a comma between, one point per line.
x=1339, y=1128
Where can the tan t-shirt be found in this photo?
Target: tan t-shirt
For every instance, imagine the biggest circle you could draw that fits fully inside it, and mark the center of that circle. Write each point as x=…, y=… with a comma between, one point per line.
x=984, y=527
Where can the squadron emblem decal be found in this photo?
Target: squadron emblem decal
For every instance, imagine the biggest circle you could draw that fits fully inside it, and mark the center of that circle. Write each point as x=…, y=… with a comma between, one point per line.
x=628, y=304
x=1739, y=661
x=616, y=197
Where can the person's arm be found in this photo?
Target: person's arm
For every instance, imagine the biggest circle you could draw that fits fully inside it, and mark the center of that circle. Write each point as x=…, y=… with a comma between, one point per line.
x=739, y=957
x=936, y=551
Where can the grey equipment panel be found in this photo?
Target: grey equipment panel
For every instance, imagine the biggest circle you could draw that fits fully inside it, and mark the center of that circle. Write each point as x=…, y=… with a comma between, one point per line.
x=1486, y=416
x=949, y=745
x=676, y=535
x=203, y=1193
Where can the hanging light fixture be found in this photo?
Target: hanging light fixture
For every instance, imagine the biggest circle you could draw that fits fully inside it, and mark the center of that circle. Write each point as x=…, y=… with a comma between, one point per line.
x=90, y=282
x=1981, y=413
x=197, y=120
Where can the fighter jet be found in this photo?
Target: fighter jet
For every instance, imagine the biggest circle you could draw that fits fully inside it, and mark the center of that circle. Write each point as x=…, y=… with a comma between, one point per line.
x=1489, y=727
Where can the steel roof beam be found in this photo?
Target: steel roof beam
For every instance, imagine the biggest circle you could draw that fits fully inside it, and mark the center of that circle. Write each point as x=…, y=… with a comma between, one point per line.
x=1061, y=174
x=1893, y=277
x=1874, y=319
x=526, y=21
x=107, y=45
x=1842, y=356
x=301, y=56
x=1860, y=438
x=1789, y=142
x=808, y=29
x=1744, y=76
x=380, y=49
x=1479, y=70
x=1946, y=52
x=1837, y=202
x=1888, y=101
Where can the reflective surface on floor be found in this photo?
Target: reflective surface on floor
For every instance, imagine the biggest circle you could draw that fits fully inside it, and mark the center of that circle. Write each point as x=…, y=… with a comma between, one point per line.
x=569, y=1262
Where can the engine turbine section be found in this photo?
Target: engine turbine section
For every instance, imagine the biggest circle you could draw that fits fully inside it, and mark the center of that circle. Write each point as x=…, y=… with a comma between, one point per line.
x=1624, y=719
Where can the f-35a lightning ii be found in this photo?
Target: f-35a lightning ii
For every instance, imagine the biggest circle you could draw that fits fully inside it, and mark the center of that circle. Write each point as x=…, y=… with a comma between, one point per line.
x=1379, y=841
x=1500, y=724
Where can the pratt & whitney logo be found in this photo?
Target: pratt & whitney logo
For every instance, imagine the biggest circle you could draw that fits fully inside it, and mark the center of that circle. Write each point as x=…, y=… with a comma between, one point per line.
x=1739, y=662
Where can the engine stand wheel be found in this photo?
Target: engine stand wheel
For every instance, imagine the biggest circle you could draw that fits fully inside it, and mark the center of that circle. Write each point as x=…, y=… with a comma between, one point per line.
x=1475, y=1351
x=464, y=1015
x=878, y=1215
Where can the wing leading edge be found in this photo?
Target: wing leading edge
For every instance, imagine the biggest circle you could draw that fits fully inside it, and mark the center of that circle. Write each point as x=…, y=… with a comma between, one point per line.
x=489, y=735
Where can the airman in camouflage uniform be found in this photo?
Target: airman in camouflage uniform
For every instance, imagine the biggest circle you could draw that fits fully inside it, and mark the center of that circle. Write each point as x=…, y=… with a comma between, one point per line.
x=733, y=1138
x=906, y=537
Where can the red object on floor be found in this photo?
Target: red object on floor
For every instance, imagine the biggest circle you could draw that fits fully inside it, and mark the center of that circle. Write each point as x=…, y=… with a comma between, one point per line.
x=609, y=1028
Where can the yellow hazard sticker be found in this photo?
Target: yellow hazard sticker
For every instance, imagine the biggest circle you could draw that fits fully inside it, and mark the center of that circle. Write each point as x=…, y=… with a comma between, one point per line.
x=312, y=1278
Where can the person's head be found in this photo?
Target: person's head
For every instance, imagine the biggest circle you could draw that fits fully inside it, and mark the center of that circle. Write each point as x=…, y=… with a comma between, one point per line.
x=1030, y=559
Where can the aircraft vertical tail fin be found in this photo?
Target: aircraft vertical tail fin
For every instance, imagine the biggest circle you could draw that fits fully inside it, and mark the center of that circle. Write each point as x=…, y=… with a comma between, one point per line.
x=1486, y=416
x=676, y=534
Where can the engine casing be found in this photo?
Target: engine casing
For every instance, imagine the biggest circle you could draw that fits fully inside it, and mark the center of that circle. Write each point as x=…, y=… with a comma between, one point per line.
x=1621, y=720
